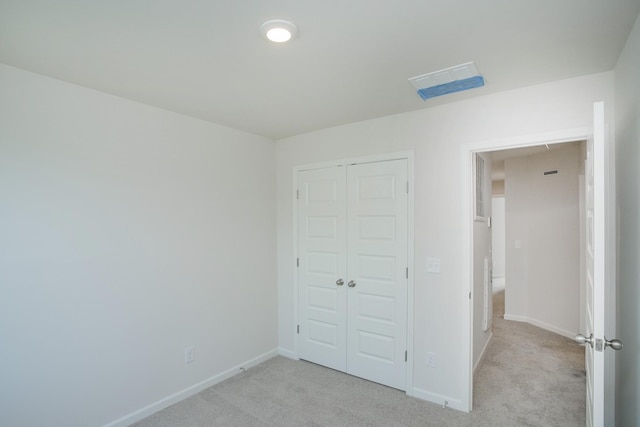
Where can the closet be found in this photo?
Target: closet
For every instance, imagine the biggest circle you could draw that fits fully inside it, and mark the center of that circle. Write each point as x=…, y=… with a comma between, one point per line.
x=352, y=269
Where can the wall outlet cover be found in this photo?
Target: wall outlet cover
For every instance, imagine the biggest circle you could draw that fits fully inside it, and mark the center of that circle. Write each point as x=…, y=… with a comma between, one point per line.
x=431, y=359
x=433, y=265
x=188, y=355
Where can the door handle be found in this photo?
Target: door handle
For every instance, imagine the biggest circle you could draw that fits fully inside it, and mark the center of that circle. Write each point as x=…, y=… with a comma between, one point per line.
x=339, y=282
x=351, y=283
x=582, y=340
x=614, y=344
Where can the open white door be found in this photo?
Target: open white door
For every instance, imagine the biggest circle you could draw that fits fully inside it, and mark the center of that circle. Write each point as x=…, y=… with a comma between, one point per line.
x=596, y=275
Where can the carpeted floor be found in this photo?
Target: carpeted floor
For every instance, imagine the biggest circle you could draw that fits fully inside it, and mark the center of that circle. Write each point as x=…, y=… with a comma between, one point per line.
x=529, y=377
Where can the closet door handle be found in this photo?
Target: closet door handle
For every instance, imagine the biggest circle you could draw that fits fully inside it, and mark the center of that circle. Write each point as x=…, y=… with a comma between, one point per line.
x=339, y=282
x=351, y=284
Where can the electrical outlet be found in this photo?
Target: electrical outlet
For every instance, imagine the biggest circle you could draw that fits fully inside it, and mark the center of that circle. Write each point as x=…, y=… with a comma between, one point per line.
x=188, y=355
x=431, y=359
x=433, y=265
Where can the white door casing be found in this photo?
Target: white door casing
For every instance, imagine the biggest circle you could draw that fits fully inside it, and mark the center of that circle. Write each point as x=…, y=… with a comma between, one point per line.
x=352, y=273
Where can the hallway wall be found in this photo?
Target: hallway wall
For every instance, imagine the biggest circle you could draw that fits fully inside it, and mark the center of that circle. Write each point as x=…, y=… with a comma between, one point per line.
x=542, y=234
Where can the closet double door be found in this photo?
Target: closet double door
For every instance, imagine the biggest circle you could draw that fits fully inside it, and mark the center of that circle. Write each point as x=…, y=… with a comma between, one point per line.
x=353, y=269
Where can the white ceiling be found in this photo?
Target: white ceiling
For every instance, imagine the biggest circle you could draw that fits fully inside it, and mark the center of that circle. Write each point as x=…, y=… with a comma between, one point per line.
x=350, y=62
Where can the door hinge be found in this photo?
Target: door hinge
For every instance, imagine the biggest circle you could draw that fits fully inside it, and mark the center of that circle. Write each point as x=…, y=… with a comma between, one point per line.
x=405, y=355
x=469, y=295
x=407, y=272
x=407, y=187
x=298, y=328
x=298, y=194
x=297, y=262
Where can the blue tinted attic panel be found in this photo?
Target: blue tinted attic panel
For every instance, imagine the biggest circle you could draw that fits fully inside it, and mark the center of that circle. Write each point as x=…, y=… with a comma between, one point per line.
x=451, y=87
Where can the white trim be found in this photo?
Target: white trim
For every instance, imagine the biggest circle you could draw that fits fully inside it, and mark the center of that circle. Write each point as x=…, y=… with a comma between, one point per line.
x=189, y=391
x=466, y=153
x=530, y=140
x=294, y=261
x=412, y=267
x=409, y=156
x=351, y=160
x=439, y=399
x=467, y=218
x=483, y=353
x=540, y=324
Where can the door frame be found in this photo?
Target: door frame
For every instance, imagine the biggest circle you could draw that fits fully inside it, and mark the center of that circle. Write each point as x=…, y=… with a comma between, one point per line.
x=400, y=155
x=467, y=152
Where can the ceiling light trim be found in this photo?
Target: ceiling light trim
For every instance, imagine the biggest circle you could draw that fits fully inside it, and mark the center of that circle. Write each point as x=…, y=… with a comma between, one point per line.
x=279, y=30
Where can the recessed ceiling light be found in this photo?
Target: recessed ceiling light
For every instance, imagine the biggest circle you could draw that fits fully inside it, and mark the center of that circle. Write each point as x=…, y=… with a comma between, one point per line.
x=279, y=30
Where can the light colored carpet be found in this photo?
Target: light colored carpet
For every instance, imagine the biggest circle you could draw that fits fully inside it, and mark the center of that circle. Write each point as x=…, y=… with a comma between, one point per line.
x=529, y=377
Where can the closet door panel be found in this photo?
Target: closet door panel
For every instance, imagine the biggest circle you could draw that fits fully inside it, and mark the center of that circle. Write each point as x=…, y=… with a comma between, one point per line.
x=377, y=259
x=322, y=264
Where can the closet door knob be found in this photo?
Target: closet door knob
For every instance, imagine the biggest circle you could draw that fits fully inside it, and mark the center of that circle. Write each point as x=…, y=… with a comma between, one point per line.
x=339, y=282
x=351, y=284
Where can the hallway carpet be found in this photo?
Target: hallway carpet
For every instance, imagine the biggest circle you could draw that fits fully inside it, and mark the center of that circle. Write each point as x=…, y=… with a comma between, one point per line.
x=528, y=377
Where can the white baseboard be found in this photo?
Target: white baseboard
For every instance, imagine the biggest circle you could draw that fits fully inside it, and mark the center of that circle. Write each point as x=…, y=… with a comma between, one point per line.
x=189, y=391
x=516, y=318
x=482, y=354
x=541, y=325
x=287, y=353
x=439, y=399
x=498, y=283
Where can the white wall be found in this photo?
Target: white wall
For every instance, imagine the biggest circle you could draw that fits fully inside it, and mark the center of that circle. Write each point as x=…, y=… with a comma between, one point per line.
x=543, y=215
x=627, y=90
x=498, y=241
x=481, y=250
x=437, y=135
x=127, y=234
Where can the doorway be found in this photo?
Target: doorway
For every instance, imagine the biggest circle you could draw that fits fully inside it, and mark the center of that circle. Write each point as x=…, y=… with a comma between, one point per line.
x=468, y=153
x=543, y=231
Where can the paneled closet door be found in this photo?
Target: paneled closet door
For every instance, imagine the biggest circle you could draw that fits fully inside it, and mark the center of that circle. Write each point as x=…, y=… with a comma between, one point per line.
x=377, y=261
x=322, y=269
x=352, y=250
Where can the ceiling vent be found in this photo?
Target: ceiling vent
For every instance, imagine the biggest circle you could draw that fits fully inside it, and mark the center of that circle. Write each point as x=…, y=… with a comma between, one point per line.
x=450, y=80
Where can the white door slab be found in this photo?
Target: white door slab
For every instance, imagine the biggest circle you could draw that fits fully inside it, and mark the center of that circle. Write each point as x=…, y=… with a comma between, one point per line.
x=322, y=265
x=377, y=270
x=597, y=304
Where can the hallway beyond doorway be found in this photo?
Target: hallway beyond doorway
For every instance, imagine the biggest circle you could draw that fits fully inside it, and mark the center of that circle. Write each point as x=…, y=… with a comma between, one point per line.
x=540, y=370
